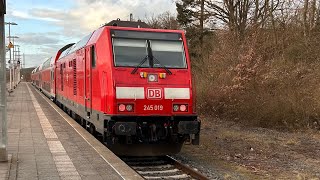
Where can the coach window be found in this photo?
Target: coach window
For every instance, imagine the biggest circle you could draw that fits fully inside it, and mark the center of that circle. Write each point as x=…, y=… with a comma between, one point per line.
x=93, y=57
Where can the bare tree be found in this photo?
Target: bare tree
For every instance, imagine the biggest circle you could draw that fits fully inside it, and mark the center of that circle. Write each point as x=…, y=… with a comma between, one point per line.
x=240, y=14
x=194, y=14
x=317, y=23
x=305, y=16
x=165, y=20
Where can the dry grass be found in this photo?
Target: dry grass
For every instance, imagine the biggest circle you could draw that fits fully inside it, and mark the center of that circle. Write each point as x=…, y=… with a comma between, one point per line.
x=237, y=152
x=259, y=82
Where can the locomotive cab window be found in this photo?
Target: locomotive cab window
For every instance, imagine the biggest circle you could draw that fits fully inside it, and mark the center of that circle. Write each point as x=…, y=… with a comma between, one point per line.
x=169, y=53
x=130, y=48
x=129, y=52
x=93, y=57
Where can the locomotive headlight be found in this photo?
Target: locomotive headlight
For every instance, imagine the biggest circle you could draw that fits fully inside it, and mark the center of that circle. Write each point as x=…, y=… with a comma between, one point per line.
x=175, y=107
x=129, y=107
x=122, y=107
x=152, y=78
x=183, y=107
x=180, y=108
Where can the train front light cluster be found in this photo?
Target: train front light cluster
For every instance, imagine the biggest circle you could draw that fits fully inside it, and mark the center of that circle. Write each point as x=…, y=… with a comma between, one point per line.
x=143, y=74
x=153, y=77
x=180, y=108
x=125, y=107
x=129, y=107
x=162, y=75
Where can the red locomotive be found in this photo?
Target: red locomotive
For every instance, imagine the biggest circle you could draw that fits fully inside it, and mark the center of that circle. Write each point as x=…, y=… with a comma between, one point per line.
x=132, y=86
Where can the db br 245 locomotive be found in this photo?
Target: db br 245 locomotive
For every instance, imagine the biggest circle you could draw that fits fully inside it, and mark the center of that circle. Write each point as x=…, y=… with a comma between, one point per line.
x=131, y=86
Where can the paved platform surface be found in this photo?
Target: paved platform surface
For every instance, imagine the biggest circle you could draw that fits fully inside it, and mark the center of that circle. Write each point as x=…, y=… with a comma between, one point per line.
x=45, y=143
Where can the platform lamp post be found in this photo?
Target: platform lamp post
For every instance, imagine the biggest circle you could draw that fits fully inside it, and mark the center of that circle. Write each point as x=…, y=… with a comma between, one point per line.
x=18, y=63
x=10, y=64
x=3, y=84
x=13, y=60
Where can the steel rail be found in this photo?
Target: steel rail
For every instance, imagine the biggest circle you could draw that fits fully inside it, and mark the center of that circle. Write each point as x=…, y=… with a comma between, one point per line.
x=192, y=172
x=164, y=167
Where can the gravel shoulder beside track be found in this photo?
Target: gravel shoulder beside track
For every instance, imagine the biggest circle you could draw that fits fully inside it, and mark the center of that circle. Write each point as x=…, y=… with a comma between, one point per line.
x=231, y=151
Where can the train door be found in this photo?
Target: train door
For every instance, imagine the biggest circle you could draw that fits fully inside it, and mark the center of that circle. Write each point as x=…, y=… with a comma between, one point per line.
x=89, y=56
x=61, y=76
x=104, y=90
x=40, y=80
x=52, y=85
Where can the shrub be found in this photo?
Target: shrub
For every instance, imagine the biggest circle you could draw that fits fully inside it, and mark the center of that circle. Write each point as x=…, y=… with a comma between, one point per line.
x=259, y=82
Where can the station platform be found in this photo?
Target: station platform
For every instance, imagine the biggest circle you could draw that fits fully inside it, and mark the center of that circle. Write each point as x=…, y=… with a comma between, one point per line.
x=45, y=143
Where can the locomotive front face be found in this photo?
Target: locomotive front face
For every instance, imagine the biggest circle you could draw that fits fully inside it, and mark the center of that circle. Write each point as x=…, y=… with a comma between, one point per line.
x=151, y=73
x=153, y=87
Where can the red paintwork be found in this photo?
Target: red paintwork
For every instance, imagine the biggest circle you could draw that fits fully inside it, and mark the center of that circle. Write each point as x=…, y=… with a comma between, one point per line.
x=43, y=79
x=106, y=77
x=35, y=77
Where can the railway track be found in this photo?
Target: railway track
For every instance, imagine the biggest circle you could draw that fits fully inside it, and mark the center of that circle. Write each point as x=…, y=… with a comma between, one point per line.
x=164, y=167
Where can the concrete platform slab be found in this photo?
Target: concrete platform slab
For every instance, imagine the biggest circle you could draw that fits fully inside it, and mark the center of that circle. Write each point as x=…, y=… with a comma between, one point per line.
x=45, y=143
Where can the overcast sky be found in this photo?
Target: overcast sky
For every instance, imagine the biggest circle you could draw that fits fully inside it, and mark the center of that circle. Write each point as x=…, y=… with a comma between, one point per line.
x=45, y=26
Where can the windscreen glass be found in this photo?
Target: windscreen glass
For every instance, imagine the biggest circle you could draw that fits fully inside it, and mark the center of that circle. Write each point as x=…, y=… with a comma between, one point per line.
x=166, y=51
x=169, y=53
x=129, y=52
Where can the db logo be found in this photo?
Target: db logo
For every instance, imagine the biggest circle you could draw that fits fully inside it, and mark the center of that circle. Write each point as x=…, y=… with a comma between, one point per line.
x=153, y=93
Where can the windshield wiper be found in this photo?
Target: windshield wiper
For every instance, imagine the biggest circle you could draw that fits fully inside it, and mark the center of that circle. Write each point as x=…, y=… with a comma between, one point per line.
x=155, y=59
x=140, y=64
x=151, y=61
x=162, y=66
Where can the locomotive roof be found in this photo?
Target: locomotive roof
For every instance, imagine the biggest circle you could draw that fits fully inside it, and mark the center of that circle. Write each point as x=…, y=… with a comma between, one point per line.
x=134, y=24
x=125, y=25
x=46, y=63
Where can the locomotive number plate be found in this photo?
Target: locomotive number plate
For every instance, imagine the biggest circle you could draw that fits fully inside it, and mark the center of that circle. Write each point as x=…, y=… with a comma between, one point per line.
x=152, y=107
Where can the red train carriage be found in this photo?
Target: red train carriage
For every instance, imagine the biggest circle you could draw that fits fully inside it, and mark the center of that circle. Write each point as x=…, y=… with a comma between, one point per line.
x=47, y=77
x=36, y=77
x=32, y=77
x=132, y=86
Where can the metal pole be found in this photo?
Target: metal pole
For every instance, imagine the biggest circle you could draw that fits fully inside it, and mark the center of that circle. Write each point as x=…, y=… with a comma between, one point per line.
x=14, y=58
x=13, y=71
x=24, y=61
x=19, y=65
x=3, y=97
x=131, y=17
x=10, y=64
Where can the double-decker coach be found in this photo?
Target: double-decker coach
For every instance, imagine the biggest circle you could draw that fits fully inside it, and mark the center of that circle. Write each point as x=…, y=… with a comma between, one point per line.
x=36, y=77
x=32, y=77
x=47, y=77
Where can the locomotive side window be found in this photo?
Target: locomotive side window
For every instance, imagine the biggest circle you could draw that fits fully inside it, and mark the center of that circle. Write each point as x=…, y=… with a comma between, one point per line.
x=52, y=75
x=93, y=57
